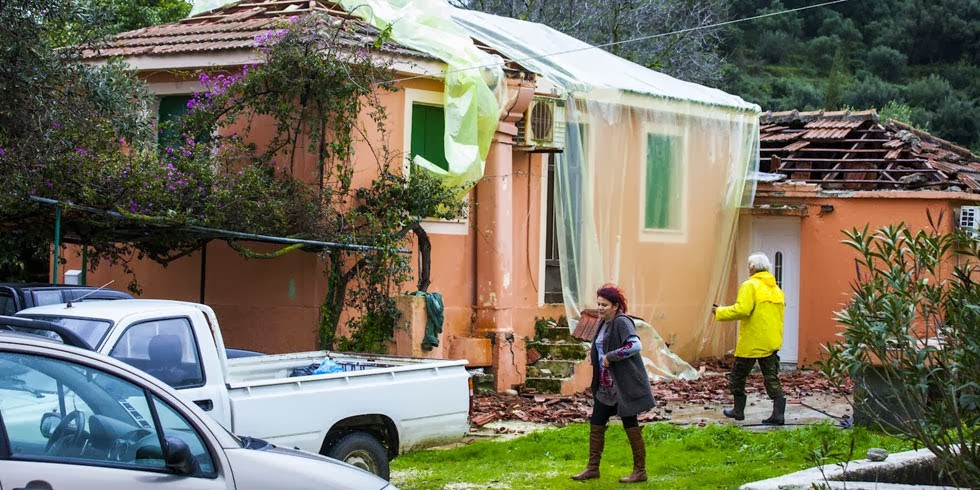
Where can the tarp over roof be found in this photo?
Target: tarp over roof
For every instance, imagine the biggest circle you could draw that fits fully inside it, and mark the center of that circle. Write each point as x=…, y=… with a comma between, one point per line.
x=580, y=66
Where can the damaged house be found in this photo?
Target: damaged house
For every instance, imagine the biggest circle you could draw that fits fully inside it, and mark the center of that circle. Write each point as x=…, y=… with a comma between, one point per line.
x=824, y=172
x=594, y=169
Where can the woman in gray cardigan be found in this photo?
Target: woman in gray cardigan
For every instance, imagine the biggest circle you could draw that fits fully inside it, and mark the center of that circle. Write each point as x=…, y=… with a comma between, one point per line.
x=620, y=385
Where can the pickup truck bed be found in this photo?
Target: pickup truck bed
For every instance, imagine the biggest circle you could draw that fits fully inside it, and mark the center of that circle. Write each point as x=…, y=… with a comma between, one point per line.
x=259, y=386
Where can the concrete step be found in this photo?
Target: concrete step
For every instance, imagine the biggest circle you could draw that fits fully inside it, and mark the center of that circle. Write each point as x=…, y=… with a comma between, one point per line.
x=552, y=368
x=554, y=333
x=544, y=385
x=571, y=351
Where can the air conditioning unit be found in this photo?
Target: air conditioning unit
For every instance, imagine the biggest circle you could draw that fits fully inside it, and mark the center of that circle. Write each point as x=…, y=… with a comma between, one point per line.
x=969, y=220
x=542, y=129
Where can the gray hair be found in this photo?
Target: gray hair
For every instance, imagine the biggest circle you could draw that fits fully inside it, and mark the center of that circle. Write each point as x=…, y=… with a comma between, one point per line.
x=759, y=262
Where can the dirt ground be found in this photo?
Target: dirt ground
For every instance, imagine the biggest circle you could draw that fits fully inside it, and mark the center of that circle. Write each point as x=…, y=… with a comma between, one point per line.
x=810, y=399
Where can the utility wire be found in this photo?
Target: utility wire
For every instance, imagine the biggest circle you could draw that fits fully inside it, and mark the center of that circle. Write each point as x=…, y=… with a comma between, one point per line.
x=636, y=39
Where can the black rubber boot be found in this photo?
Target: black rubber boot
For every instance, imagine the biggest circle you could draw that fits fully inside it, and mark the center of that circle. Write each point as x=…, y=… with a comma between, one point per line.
x=778, y=416
x=737, y=413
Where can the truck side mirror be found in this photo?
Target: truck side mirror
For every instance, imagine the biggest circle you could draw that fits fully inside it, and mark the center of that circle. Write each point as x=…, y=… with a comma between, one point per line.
x=178, y=457
x=49, y=421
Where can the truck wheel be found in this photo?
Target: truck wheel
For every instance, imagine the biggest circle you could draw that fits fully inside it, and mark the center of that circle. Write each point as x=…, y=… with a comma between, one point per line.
x=363, y=451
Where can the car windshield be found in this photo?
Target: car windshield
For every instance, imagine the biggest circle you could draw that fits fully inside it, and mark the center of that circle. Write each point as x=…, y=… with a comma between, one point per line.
x=92, y=331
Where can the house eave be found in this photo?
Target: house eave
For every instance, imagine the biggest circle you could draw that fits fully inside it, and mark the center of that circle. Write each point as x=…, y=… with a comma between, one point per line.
x=423, y=68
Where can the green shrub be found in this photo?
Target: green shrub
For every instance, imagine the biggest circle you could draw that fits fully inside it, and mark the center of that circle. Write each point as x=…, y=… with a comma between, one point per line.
x=913, y=327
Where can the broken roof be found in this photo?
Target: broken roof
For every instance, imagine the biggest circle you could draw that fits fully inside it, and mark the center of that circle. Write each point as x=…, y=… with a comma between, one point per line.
x=857, y=151
x=235, y=27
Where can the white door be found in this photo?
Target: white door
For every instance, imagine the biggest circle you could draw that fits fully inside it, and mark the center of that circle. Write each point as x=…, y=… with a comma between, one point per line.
x=779, y=238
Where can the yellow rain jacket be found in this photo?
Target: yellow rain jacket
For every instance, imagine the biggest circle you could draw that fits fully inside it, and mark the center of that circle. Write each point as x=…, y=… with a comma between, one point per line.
x=760, y=307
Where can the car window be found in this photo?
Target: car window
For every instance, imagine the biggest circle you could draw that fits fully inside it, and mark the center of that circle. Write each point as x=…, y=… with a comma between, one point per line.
x=92, y=331
x=52, y=297
x=165, y=348
x=57, y=410
x=8, y=306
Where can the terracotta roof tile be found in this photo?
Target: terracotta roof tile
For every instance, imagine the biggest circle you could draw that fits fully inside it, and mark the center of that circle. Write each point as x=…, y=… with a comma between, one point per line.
x=779, y=136
x=831, y=124
x=855, y=151
x=797, y=146
x=826, y=134
x=235, y=27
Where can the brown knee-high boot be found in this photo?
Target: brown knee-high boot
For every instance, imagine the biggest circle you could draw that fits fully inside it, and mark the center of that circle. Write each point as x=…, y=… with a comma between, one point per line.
x=635, y=436
x=597, y=440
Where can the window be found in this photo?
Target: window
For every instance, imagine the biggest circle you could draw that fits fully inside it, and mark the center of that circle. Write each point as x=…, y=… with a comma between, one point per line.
x=53, y=297
x=425, y=130
x=572, y=159
x=59, y=412
x=662, y=179
x=428, y=134
x=92, y=331
x=165, y=349
x=172, y=109
x=8, y=306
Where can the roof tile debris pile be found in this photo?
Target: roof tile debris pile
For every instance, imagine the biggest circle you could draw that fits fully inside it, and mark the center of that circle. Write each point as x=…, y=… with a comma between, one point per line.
x=856, y=151
x=711, y=388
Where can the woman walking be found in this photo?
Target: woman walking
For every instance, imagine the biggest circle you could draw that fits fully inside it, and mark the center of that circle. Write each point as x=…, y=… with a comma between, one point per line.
x=620, y=385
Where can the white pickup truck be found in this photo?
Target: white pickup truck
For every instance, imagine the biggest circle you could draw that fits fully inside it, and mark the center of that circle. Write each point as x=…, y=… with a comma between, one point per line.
x=370, y=410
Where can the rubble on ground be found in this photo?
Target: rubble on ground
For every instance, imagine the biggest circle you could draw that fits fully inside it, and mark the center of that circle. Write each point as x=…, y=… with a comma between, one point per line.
x=710, y=388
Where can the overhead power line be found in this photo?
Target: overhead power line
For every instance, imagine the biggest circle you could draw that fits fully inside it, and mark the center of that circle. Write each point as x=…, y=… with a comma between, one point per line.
x=632, y=40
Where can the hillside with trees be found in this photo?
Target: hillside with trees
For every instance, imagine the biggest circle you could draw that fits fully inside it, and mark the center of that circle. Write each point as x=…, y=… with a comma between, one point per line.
x=912, y=60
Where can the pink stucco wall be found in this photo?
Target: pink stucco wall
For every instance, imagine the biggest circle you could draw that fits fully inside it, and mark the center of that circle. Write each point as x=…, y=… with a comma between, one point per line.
x=273, y=305
x=827, y=266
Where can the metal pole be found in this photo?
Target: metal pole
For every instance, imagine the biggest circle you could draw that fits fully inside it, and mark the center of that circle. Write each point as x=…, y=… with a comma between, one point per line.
x=204, y=271
x=84, y=264
x=57, y=243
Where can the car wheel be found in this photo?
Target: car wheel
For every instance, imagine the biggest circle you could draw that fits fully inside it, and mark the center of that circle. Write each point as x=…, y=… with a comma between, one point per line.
x=362, y=450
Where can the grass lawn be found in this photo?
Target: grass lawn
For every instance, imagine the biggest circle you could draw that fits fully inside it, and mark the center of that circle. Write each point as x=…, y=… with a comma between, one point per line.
x=714, y=457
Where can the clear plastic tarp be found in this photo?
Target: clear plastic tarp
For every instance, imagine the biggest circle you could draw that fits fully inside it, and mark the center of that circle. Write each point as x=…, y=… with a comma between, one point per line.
x=471, y=106
x=649, y=186
x=651, y=180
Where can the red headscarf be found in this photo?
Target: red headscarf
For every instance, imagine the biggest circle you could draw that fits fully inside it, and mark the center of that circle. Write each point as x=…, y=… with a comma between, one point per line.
x=614, y=295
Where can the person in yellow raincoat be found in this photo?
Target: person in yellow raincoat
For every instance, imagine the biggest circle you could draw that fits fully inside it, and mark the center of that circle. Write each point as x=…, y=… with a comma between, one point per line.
x=759, y=308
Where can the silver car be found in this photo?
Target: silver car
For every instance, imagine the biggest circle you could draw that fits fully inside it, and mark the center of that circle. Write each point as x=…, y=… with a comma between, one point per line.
x=70, y=418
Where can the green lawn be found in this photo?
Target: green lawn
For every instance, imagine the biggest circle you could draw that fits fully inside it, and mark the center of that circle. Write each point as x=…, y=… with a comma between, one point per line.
x=714, y=457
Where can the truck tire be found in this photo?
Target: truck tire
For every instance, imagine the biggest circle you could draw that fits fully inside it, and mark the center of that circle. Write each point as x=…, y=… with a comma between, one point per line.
x=363, y=451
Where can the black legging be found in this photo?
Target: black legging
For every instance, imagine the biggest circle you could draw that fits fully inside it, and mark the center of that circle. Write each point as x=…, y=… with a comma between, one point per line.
x=601, y=413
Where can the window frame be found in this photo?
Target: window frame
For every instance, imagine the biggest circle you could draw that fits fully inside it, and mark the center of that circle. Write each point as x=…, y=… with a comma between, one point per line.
x=191, y=334
x=679, y=162
x=168, y=89
x=431, y=226
x=151, y=397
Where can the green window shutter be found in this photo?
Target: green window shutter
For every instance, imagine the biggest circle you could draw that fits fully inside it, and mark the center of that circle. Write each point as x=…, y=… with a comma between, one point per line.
x=172, y=108
x=660, y=178
x=428, y=134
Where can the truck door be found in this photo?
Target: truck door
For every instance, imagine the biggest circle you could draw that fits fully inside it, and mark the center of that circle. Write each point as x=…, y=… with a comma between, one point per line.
x=167, y=349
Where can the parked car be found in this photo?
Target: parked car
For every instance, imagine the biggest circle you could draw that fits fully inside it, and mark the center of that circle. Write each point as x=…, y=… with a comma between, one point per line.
x=18, y=296
x=364, y=409
x=72, y=418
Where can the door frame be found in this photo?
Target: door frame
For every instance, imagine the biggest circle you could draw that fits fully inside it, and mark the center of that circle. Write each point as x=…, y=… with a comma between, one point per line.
x=772, y=234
